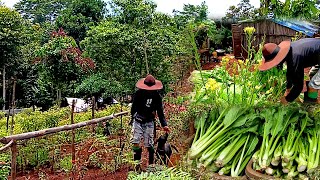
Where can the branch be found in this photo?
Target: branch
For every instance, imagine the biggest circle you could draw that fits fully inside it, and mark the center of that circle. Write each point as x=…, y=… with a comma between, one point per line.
x=44, y=132
x=6, y=146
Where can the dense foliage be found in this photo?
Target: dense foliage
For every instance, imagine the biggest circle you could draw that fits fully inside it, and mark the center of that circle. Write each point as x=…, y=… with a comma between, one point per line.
x=301, y=9
x=79, y=15
x=41, y=11
x=61, y=61
x=133, y=43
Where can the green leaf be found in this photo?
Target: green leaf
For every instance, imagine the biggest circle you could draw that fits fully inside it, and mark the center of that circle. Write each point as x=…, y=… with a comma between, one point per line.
x=232, y=115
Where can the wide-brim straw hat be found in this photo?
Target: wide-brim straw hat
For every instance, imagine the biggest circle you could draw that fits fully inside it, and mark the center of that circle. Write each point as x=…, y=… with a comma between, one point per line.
x=273, y=54
x=149, y=83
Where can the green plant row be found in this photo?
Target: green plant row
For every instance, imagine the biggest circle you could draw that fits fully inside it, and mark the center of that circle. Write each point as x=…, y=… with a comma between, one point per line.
x=48, y=150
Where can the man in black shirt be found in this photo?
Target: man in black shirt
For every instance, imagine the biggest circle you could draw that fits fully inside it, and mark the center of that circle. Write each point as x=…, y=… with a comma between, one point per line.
x=298, y=55
x=147, y=102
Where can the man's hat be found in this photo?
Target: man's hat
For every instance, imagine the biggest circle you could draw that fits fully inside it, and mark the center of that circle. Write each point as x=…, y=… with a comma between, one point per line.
x=273, y=54
x=149, y=83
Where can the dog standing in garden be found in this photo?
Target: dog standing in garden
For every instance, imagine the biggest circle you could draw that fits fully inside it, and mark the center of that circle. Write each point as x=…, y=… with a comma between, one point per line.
x=164, y=149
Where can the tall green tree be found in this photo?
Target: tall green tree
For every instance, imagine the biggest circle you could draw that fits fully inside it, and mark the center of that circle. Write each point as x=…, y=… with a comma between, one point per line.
x=133, y=42
x=302, y=9
x=40, y=11
x=61, y=62
x=79, y=16
x=32, y=87
x=11, y=38
x=197, y=13
x=244, y=10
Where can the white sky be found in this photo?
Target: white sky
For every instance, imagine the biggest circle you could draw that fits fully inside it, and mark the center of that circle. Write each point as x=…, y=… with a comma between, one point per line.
x=217, y=8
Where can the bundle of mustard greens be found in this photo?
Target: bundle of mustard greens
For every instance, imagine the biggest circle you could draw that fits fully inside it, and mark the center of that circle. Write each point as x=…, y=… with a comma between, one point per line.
x=282, y=141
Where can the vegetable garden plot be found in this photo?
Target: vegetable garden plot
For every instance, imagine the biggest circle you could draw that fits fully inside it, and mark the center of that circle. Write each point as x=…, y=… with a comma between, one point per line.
x=53, y=151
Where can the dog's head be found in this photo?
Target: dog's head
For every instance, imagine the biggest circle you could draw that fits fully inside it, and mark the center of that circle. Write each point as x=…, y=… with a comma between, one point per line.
x=162, y=139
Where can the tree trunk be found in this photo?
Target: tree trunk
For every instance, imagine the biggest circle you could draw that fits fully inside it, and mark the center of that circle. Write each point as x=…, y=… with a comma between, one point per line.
x=59, y=96
x=4, y=87
x=13, y=103
x=145, y=58
x=145, y=55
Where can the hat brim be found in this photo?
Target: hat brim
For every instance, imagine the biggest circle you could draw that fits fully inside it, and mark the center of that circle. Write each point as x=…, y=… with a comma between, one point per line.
x=284, y=49
x=140, y=84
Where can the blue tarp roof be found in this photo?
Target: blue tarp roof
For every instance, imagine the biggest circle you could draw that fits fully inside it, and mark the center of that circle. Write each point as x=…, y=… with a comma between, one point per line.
x=298, y=25
x=305, y=27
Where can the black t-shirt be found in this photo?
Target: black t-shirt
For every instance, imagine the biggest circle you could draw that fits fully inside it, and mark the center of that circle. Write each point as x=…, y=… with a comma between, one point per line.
x=146, y=103
x=303, y=53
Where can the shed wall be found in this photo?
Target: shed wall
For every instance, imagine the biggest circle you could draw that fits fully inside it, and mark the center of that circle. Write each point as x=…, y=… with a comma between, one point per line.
x=273, y=32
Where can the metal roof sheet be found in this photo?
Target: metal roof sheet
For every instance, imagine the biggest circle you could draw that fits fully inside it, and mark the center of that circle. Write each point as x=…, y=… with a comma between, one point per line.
x=304, y=27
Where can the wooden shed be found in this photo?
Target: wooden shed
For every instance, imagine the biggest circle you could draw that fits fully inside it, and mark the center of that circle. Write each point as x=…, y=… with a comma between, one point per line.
x=273, y=30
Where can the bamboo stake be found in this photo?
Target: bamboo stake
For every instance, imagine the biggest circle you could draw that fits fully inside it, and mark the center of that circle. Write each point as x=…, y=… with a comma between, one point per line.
x=72, y=139
x=14, y=160
x=44, y=132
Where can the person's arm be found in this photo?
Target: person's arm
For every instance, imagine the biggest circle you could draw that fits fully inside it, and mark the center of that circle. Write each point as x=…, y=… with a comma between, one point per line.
x=160, y=112
x=297, y=86
x=289, y=79
x=134, y=105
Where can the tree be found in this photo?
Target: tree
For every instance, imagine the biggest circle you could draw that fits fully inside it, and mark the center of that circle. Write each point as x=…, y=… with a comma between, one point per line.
x=98, y=85
x=11, y=37
x=134, y=41
x=302, y=9
x=244, y=10
x=32, y=87
x=194, y=13
x=61, y=62
x=79, y=16
x=198, y=13
x=41, y=10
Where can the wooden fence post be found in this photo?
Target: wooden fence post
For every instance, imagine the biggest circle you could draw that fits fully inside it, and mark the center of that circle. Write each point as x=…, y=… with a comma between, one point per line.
x=14, y=152
x=73, y=151
x=92, y=115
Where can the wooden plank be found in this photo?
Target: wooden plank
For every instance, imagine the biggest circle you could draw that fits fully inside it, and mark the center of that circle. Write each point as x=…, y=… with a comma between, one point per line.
x=236, y=39
x=44, y=132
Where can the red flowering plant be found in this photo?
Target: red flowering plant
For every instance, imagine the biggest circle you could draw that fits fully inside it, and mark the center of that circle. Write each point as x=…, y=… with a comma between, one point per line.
x=61, y=61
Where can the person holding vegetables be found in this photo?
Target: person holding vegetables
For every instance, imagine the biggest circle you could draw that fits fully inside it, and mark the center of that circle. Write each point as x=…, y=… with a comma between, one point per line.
x=297, y=55
x=147, y=102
